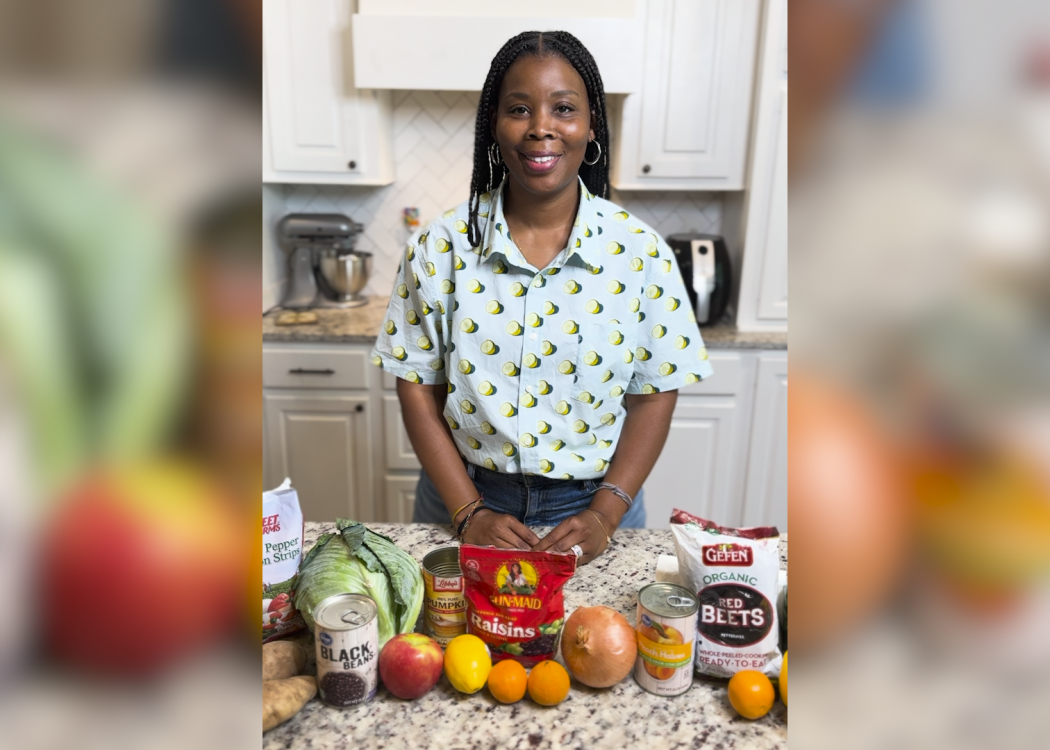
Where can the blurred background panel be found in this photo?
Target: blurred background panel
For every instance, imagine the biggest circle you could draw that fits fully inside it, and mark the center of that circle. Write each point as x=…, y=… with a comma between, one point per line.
x=920, y=269
x=130, y=373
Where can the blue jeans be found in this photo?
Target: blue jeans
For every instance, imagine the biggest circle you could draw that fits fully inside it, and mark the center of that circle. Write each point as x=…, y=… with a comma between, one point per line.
x=533, y=500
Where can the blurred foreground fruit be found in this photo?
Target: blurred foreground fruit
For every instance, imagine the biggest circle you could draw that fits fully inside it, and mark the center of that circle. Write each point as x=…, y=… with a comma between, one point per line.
x=508, y=681
x=850, y=522
x=410, y=665
x=467, y=663
x=784, y=680
x=751, y=694
x=548, y=683
x=140, y=566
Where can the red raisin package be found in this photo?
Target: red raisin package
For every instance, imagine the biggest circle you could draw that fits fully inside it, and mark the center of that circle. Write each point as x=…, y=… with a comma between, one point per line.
x=514, y=600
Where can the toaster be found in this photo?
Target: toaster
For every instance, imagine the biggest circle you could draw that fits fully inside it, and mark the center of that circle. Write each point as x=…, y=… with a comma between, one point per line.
x=703, y=260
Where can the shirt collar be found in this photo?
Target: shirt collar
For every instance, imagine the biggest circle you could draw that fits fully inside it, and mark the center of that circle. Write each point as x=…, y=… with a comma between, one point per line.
x=496, y=239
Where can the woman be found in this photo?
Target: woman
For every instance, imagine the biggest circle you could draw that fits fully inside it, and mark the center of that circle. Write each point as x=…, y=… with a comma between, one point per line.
x=539, y=332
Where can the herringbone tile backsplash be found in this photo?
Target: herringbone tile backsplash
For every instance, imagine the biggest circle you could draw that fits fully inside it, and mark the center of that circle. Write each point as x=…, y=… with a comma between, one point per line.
x=433, y=151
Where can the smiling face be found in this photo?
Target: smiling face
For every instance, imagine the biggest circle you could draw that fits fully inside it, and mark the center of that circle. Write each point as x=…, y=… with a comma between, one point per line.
x=543, y=124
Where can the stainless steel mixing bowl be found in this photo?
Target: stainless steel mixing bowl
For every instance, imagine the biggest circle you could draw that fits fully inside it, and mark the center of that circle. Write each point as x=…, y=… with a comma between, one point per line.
x=347, y=274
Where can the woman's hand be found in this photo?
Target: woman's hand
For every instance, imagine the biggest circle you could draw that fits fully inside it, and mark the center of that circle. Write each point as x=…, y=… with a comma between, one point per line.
x=582, y=529
x=489, y=527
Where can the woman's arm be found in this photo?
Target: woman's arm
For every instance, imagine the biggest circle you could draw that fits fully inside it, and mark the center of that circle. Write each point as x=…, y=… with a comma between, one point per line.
x=641, y=441
x=422, y=408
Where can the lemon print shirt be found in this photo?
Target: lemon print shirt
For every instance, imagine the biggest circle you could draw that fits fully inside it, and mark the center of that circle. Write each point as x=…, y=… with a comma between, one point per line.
x=537, y=361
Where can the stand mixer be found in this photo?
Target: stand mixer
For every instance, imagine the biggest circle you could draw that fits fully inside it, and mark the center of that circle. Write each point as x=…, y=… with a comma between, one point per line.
x=324, y=269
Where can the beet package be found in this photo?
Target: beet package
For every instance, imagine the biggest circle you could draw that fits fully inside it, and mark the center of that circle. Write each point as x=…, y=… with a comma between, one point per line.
x=514, y=600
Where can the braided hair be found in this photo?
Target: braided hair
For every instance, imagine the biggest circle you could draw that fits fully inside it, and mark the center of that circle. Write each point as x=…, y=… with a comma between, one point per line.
x=487, y=177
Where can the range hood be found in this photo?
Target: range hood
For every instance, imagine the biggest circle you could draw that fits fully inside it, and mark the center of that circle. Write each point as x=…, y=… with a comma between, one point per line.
x=448, y=45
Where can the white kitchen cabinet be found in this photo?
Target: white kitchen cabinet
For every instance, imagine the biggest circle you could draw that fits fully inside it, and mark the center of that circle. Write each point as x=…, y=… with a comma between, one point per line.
x=399, y=497
x=755, y=223
x=323, y=442
x=765, y=497
x=688, y=127
x=318, y=128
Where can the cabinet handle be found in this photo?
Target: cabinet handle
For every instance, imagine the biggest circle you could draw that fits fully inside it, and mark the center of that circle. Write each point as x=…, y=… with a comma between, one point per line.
x=301, y=371
x=646, y=168
x=352, y=165
x=359, y=408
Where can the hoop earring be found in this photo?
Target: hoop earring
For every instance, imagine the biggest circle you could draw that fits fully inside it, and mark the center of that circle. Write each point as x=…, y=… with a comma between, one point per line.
x=596, y=158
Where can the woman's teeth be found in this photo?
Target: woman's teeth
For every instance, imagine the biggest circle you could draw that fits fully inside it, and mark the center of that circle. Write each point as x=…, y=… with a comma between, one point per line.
x=539, y=159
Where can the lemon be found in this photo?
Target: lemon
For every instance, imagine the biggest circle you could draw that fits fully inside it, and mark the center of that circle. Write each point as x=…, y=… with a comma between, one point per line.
x=659, y=332
x=538, y=281
x=579, y=426
x=447, y=287
x=473, y=443
x=603, y=444
x=510, y=369
x=585, y=397
x=517, y=289
x=593, y=306
x=465, y=367
x=653, y=291
x=543, y=427
x=514, y=328
x=571, y=287
x=569, y=326
x=488, y=347
x=597, y=403
x=545, y=387
x=533, y=320
x=562, y=407
x=411, y=252
x=591, y=358
x=546, y=466
x=637, y=264
x=651, y=250
x=509, y=449
x=485, y=388
x=608, y=419
x=691, y=377
x=412, y=317
x=553, y=271
x=423, y=342
x=667, y=368
x=402, y=291
x=467, y=326
x=452, y=423
x=499, y=267
x=557, y=445
x=549, y=308
x=437, y=364
x=614, y=248
x=427, y=310
x=466, y=406
x=459, y=265
x=390, y=327
x=649, y=388
x=681, y=342
x=398, y=352
x=467, y=663
x=577, y=457
x=566, y=367
x=507, y=409
x=490, y=464
x=615, y=287
x=592, y=439
x=628, y=356
x=474, y=286
x=413, y=377
x=431, y=269
x=607, y=376
x=784, y=680
x=616, y=392
x=494, y=307
x=460, y=226
x=615, y=338
x=665, y=266
x=377, y=361
x=671, y=304
x=548, y=348
x=527, y=440
x=642, y=353
x=634, y=305
x=600, y=464
x=441, y=244
x=532, y=361
x=702, y=354
x=488, y=429
x=595, y=270
x=527, y=400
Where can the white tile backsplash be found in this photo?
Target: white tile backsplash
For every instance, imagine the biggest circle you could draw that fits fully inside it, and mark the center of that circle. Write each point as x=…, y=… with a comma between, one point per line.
x=433, y=152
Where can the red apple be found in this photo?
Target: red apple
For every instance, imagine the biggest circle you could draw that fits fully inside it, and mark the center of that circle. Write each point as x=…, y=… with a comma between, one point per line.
x=410, y=664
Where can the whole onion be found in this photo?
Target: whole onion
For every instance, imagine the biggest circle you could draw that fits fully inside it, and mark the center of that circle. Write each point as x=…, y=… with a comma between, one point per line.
x=599, y=646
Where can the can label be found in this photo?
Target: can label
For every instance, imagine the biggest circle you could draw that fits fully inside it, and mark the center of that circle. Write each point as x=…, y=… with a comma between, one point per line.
x=347, y=664
x=446, y=607
x=665, y=652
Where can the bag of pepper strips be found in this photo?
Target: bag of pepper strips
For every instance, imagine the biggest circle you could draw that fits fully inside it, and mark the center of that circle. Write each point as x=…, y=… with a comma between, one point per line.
x=514, y=600
x=734, y=573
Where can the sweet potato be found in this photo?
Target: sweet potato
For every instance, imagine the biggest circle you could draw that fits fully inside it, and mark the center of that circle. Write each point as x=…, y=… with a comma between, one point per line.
x=283, y=699
x=282, y=659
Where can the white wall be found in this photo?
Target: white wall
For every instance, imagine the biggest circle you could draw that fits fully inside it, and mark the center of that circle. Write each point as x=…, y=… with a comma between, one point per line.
x=433, y=152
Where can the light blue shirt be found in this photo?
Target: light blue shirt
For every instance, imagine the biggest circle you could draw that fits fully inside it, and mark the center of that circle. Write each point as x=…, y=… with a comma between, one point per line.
x=537, y=362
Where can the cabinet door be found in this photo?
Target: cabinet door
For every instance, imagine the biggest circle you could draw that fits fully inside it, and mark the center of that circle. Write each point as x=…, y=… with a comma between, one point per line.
x=399, y=451
x=698, y=469
x=323, y=443
x=400, y=497
x=696, y=94
x=317, y=121
x=765, y=499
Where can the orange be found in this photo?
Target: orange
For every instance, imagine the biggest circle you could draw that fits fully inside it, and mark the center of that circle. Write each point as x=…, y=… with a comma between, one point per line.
x=507, y=681
x=784, y=680
x=548, y=683
x=751, y=694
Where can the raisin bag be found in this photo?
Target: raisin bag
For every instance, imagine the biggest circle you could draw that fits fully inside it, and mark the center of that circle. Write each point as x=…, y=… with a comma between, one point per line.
x=514, y=600
x=734, y=573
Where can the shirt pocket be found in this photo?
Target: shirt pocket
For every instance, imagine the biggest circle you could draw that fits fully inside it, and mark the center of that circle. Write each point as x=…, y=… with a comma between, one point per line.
x=604, y=364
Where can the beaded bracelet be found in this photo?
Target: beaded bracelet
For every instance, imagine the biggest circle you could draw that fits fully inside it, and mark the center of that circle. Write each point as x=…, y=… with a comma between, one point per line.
x=618, y=492
x=478, y=505
x=460, y=508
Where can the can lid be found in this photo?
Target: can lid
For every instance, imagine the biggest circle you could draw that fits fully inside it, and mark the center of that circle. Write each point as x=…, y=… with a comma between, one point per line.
x=345, y=612
x=668, y=600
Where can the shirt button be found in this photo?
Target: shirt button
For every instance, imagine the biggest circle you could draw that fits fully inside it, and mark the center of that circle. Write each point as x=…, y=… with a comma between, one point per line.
x=528, y=389
x=532, y=336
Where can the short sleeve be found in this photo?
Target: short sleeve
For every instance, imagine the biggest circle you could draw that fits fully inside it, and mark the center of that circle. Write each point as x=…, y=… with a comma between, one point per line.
x=670, y=352
x=411, y=343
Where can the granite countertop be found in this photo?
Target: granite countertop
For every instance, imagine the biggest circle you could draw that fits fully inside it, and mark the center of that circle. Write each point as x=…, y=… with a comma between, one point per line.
x=362, y=324
x=621, y=716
